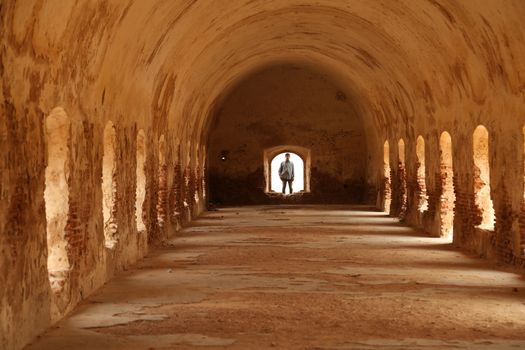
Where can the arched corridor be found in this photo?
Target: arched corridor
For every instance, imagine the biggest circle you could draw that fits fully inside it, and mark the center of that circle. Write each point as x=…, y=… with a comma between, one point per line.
x=136, y=201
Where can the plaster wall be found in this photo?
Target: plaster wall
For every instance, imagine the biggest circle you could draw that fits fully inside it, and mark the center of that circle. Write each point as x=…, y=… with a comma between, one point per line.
x=409, y=68
x=287, y=105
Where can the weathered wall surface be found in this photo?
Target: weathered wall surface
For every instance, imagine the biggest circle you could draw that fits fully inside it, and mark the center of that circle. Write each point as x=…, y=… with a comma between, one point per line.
x=48, y=61
x=410, y=67
x=287, y=105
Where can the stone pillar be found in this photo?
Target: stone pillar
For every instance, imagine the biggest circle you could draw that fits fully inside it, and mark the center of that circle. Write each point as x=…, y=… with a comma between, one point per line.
x=431, y=216
x=412, y=184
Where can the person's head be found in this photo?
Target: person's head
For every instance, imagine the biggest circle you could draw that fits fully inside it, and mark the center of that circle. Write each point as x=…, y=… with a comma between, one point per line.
x=287, y=156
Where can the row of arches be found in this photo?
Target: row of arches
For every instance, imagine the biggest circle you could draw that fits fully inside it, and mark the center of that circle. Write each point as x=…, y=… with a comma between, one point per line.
x=444, y=180
x=58, y=130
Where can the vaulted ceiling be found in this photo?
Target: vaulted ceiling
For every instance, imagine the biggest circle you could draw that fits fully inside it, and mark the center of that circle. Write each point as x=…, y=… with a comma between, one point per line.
x=405, y=63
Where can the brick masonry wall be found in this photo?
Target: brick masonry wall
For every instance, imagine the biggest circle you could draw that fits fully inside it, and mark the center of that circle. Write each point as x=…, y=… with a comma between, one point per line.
x=505, y=243
x=23, y=216
x=91, y=63
x=175, y=197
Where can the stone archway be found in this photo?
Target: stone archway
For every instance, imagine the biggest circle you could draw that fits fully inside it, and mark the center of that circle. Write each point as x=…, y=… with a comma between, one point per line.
x=271, y=153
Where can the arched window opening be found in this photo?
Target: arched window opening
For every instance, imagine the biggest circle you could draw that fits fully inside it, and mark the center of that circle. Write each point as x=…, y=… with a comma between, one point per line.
x=298, y=167
x=421, y=190
x=109, y=185
x=401, y=171
x=272, y=159
x=448, y=197
x=140, y=193
x=162, y=193
x=482, y=178
x=56, y=195
x=387, y=178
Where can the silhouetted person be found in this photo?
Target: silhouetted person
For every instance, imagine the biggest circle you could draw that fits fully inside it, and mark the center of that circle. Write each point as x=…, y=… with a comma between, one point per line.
x=286, y=173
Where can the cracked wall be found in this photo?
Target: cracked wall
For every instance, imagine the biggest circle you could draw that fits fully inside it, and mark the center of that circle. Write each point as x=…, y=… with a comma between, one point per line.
x=288, y=105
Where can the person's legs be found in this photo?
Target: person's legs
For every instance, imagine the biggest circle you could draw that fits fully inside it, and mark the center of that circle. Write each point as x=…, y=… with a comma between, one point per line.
x=284, y=185
x=290, y=185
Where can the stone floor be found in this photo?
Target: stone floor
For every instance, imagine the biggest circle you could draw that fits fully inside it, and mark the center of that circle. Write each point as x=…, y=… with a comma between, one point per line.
x=308, y=277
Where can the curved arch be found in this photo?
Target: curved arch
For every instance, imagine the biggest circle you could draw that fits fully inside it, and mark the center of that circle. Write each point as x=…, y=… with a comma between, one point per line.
x=445, y=143
x=361, y=58
x=304, y=102
x=270, y=153
x=421, y=191
x=364, y=61
x=109, y=185
x=481, y=171
x=317, y=62
x=448, y=197
x=56, y=195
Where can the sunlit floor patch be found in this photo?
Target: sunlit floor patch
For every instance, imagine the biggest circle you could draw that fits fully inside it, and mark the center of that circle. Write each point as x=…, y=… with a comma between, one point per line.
x=324, y=278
